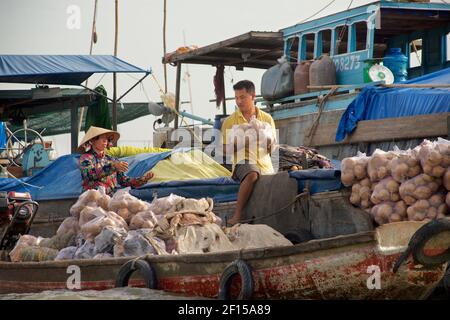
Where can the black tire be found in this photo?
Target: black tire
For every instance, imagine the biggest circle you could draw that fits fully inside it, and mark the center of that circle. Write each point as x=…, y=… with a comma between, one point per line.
x=419, y=240
x=247, y=283
x=146, y=270
x=298, y=236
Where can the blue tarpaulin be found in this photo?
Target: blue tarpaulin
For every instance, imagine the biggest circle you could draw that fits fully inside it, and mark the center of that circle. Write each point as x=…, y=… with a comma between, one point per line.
x=374, y=103
x=60, y=69
x=220, y=189
x=2, y=135
x=226, y=189
x=317, y=180
x=62, y=180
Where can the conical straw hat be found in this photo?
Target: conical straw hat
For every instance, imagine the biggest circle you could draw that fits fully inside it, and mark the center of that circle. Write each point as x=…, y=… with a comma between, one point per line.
x=95, y=132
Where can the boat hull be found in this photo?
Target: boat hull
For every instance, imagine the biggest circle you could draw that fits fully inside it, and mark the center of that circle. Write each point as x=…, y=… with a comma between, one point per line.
x=346, y=267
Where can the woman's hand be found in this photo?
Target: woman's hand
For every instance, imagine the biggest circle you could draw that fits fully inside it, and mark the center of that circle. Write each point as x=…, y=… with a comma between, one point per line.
x=120, y=166
x=148, y=175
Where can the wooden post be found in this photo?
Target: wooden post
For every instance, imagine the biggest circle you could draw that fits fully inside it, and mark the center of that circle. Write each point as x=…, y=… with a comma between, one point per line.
x=224, y=103
x=74, y=128
x=164, y=44
x=116, y=34
x=93, y=40
x=114, y=104
x=177, y=93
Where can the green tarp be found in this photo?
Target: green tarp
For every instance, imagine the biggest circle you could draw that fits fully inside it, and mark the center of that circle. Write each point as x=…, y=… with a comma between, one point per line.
x=59, y=122
x=98, y=113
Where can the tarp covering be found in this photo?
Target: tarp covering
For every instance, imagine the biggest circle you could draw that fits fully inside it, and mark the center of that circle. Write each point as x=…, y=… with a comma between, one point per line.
x=3, y=137
x=226, y=189
x=59, y=122
x=190, y=165
x=98, y=114
x=62, y=179
x=220, y=189
x=374, y=103
x=60, y=69
x=317, y=180
x=128, y=151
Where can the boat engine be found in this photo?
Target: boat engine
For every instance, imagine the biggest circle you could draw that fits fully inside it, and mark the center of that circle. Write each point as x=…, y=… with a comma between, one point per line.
x=17, y=212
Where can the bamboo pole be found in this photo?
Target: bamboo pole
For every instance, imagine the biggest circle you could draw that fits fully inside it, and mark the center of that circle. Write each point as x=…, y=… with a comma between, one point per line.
x=93, y=39
x=164, y=44
x=116, y=36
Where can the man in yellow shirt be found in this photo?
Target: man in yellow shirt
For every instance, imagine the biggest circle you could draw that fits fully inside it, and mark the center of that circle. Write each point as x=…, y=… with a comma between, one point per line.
x=252, y=160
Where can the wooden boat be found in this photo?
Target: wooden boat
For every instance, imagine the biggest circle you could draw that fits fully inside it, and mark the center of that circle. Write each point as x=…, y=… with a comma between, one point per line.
x=357, y=266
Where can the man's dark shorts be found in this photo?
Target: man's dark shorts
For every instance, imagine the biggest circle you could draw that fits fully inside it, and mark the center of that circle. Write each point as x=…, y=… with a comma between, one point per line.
x=241, y=170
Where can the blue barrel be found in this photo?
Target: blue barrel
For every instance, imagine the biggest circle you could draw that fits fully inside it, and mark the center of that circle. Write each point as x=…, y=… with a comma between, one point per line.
x=218, y=120
x=397, y=62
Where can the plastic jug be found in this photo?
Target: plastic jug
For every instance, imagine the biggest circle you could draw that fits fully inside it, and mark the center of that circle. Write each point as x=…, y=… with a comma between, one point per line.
x=301, y=77
x=322, y=72
x=397, y=62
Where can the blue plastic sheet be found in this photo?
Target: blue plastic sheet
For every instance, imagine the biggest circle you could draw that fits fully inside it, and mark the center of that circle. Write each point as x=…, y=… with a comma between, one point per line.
x=219, y=189
x=317, y=180
x=226, y=189
x=60, y=69
x=2, y=135
x=374, y=103
x=62, y=179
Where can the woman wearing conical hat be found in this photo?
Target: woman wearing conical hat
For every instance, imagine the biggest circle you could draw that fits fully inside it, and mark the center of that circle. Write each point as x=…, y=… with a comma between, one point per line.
x=98, y=169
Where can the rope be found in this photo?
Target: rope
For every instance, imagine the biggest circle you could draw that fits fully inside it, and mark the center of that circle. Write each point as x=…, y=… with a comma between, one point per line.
x=344, y=28
x=22, y=182
x=322, y=103
x=279, y=211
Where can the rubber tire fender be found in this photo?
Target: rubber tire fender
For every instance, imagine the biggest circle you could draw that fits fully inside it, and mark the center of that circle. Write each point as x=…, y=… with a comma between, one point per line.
x=427, y=232
x=419, y=240
x=298, y=236
x=247, y=283
x=128, y=268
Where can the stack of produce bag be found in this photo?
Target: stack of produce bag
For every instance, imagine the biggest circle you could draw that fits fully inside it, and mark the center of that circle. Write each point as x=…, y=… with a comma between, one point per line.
x=401, y=184
x=102, y=227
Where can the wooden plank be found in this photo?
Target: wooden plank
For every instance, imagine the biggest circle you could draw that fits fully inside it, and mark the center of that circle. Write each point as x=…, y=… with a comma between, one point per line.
x=391, y=129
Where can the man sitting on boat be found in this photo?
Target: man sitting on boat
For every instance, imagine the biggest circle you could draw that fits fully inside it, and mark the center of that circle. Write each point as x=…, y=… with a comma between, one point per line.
x=248, y=163
x=99, y=169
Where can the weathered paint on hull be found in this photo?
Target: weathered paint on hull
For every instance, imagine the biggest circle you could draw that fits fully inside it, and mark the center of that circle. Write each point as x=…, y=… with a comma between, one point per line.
x=336, y=268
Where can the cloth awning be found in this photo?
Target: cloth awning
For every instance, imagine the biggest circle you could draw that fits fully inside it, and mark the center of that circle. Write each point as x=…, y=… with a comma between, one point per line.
x=60, y=69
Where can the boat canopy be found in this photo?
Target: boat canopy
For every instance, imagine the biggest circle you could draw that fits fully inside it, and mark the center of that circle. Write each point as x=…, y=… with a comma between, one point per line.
x=254, y=49
x=60, y=69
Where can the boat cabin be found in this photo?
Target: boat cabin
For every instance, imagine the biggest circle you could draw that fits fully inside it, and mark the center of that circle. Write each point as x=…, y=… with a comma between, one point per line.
x=358, y=37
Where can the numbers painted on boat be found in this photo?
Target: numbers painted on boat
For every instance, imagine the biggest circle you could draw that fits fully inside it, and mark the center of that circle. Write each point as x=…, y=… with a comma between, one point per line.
x=347, y=63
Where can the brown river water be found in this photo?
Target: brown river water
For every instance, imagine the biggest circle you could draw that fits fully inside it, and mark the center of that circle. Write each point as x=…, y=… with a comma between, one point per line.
x=127, y=293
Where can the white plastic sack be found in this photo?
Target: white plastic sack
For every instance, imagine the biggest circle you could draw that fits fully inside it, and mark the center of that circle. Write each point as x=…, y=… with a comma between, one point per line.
x=67, y=253
x=107, y=238
x=249, y=236
x=202, y=239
